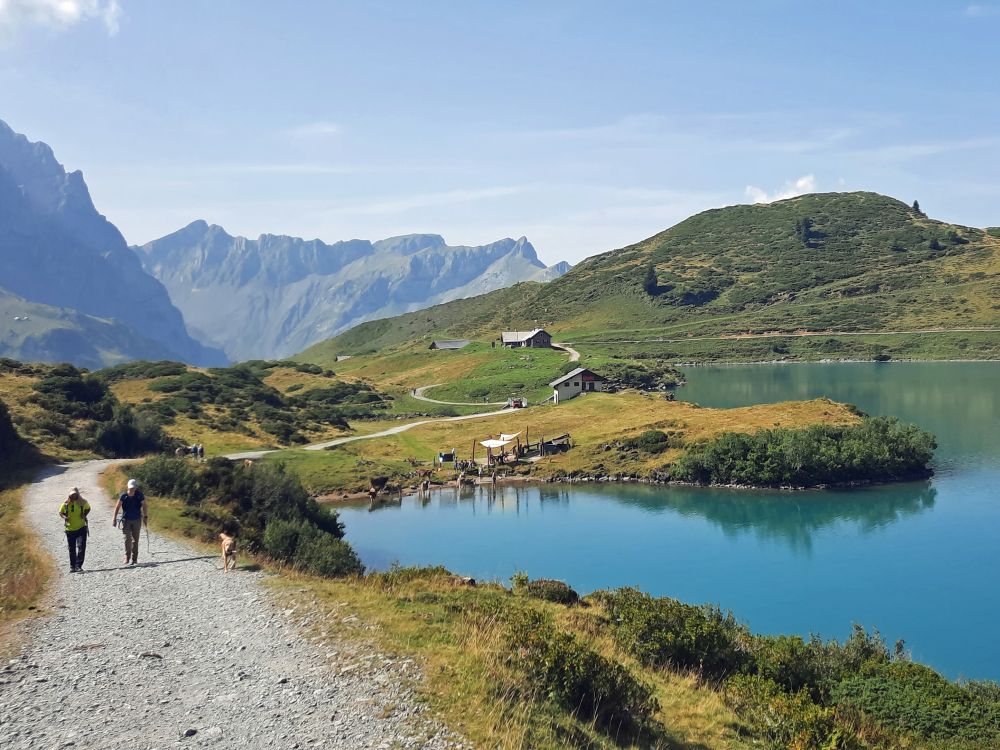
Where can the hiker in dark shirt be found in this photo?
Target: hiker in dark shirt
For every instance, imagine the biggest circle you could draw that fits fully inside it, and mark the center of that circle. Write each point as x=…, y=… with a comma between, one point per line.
x=132, y=507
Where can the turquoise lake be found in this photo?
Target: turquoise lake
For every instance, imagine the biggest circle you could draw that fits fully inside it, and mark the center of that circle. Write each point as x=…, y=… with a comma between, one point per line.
x=918, y=560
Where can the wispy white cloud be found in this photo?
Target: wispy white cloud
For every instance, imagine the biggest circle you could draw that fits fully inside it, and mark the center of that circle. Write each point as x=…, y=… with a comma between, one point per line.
x=792, y=188
x=321, y=129
x=981, y=10
x=58, y=14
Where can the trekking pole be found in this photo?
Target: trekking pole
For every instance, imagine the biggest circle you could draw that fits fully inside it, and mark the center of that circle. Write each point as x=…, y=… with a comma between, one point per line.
x=148, y=549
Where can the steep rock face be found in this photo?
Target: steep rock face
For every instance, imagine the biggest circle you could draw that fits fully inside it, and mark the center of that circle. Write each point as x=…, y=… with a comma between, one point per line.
x=276, y=295
x=57, y=250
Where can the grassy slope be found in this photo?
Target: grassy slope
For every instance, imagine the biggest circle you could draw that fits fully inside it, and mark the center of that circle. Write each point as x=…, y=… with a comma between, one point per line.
x=592, y=420
x=870, y=264
x=55, y=334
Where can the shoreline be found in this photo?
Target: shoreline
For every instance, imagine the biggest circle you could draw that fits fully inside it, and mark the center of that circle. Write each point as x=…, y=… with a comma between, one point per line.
x=355, y=498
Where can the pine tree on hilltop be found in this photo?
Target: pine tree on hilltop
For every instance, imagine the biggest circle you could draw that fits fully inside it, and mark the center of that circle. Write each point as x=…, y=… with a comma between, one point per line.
x=650, y=283
x=916, y=208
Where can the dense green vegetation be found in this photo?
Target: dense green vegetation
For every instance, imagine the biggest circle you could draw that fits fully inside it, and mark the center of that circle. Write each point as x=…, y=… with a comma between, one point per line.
x=266, y=507
x=878, y=449
x=74, y=410
x=834, y=261
x=598, y=672
x=230, y=399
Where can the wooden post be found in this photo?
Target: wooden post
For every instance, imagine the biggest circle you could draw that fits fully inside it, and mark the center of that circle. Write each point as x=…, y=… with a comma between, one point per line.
x=473, y=450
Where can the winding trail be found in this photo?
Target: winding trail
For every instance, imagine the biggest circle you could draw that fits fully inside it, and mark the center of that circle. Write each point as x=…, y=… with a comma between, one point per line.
x=418, y=393
x=574, y=355
x=138, y=657
x=384, y=433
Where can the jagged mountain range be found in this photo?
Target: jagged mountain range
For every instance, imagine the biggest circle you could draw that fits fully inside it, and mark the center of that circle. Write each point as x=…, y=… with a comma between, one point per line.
x=70, y=288
x=276, y=295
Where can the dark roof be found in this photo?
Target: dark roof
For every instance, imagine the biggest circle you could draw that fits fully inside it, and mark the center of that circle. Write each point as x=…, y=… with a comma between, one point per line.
x=450, y=344
x=573, y=374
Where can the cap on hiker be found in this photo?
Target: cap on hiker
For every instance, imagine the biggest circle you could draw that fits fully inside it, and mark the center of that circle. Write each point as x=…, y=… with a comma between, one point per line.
x=132, y=484
x=73, y=493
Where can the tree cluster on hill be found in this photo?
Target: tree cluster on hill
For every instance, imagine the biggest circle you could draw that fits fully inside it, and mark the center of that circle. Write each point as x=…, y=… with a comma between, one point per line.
x=878, y=449
x=230, y=398
x=265, y=506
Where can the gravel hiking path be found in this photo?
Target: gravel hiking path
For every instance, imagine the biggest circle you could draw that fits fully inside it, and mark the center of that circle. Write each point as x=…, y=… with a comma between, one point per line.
x=175, y=653
x=574, y=355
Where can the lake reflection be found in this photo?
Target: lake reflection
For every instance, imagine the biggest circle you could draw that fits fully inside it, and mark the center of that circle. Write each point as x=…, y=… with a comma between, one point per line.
x=915, y=559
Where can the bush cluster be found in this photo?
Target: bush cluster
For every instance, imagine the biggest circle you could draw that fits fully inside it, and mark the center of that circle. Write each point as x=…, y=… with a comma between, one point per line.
x=652, y=441
x=790, y=692
x=651, y=376
x=266, y=506
x=915, y=699
x=571, y=674
x=877, y=449
x=81, y=413
x=241, y=395
x=545, y=588
x=308, y=548
x=662, y=632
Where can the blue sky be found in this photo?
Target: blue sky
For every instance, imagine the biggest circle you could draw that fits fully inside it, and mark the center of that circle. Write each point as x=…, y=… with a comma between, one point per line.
x=584, y=125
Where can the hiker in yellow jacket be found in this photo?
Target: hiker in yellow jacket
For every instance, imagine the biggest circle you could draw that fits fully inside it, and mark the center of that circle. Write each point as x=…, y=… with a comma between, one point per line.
x=74, y=513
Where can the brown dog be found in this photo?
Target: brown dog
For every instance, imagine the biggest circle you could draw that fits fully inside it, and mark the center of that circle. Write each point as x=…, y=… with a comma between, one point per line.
x=228, y=552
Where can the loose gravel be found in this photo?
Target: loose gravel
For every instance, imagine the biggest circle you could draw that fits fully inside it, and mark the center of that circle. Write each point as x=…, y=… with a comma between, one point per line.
x=175, y=653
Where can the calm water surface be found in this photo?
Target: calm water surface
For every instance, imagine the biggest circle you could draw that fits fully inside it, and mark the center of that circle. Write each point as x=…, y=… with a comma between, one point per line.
x=919, y=560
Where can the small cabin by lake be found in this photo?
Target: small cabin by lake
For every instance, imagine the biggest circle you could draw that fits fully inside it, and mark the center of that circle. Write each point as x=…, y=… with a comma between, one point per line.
x=536, y=339
x=572, y=384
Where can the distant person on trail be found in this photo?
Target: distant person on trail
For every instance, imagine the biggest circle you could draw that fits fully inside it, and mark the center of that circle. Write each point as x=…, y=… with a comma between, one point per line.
x=74, y=512
x=132, y=506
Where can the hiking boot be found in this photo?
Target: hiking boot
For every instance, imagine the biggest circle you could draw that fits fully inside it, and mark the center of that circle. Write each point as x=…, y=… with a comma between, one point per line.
x=72, y=569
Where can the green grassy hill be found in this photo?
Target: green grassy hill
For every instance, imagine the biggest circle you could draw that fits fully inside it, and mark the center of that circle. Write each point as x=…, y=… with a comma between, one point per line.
x=837, y=262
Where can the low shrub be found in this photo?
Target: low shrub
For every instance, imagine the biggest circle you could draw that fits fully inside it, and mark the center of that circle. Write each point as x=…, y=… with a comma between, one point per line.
x=796, y=664
x=660, y=632
x=569, y=673
x=913, y=698
x=651, y=441
x=310, y=549
x=785, y=721
x=545, y=588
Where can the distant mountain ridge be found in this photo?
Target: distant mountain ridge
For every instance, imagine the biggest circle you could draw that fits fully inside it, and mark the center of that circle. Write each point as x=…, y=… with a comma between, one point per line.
x=276, y=295
x=856, y=261
x=62, y=255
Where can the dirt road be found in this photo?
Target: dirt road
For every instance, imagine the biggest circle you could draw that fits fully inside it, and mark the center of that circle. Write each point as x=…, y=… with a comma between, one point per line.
x=175, y=653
